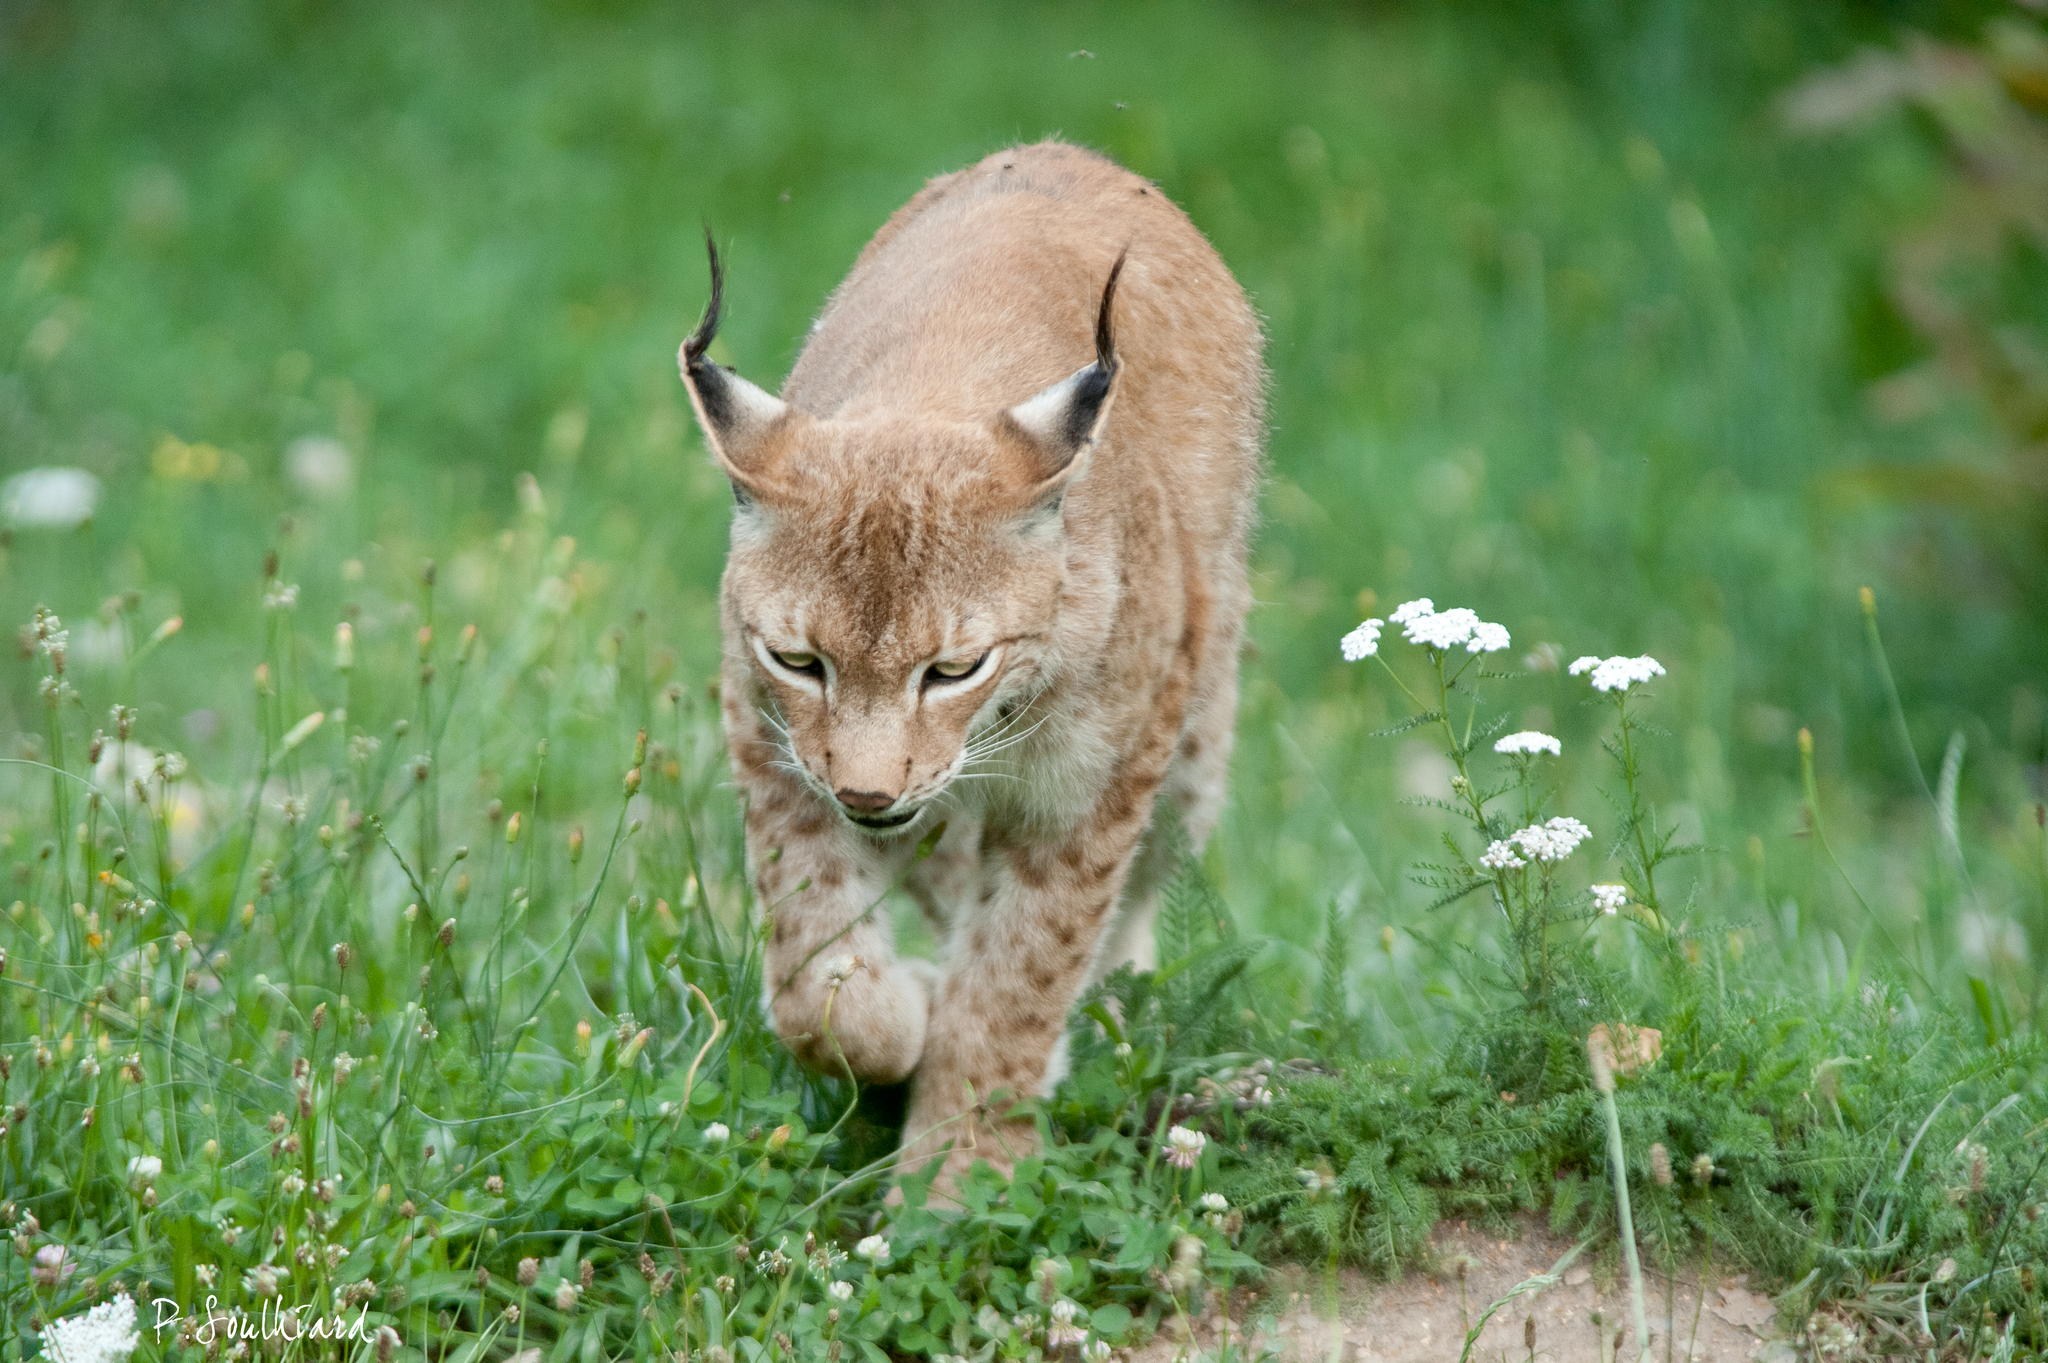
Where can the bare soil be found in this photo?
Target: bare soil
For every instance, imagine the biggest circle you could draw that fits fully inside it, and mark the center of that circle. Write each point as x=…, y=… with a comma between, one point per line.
x=1424, y=1318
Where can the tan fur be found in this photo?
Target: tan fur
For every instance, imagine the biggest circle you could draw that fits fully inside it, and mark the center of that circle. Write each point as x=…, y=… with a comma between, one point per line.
x=905, y=500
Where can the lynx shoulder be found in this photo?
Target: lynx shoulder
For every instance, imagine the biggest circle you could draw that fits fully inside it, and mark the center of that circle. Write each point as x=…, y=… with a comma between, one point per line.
x=987, y=570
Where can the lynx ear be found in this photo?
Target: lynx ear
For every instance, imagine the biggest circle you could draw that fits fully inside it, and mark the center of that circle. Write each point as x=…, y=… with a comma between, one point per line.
x=1060, y=423
x=739, y=419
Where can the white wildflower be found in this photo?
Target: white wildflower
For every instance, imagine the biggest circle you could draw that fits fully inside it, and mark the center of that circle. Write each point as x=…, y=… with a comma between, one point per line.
x=1528, y=742
x=1553, y=840
x=718, y=1133
x=49, y=499
x=1610, y=898
x=1487, y=637
x=1411, y=610
x=319, y=466
x=1444, y=629
x=1618, y=673
x=874, y=1249
x=1214, y=1202
x=1096, y=1351
x=143, y=1171
x=840, y=1291
x=1362, y=642
x=1184, y=1147
x=105, y=1334
x=1500, y=856
x=1064, y=1329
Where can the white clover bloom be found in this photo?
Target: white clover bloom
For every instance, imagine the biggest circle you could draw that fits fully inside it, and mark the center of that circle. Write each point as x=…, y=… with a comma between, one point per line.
x=143, y=1170
x=1184, y=1147
x=319, y=466
x=1528, y=742
x=49, y=499
x=1096, y=1351
x=1444, y=629
x=105, y=1334
x=874, y=1249
x=1500, y=856
x=1487, y=637
x=1610, y=898
x=1362, y=642
x=1618, y=673
x=840, y=1291
x=718, y=1133
x=1214, y=1202
x=1412, y=610
x=1064, y=1331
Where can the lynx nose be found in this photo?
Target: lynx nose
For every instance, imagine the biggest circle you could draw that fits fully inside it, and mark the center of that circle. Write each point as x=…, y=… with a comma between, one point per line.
x=864, y=801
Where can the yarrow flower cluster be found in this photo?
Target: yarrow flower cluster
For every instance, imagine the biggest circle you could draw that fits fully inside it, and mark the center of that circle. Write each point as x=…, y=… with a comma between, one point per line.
x=1184, y=1147
x=1527, y=743
x=105, y=1334
x=1618, y=673
x=1422, y=623
x=1363, y=642
x=1553, y=840
x=1609, y=898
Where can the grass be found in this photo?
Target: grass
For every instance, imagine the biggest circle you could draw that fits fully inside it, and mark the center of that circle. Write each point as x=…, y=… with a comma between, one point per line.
x=1558, y=331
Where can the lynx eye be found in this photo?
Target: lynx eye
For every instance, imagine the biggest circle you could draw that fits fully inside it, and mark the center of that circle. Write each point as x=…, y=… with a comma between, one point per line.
x=803, y=664
x=954, y=669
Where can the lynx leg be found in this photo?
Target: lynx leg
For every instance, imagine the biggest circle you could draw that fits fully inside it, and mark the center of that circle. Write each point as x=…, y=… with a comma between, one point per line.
x=1194, y=788
x=835, y=991
x=1019, y=961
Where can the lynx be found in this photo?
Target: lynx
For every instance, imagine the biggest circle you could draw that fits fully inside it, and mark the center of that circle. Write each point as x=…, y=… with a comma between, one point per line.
x=986, y=581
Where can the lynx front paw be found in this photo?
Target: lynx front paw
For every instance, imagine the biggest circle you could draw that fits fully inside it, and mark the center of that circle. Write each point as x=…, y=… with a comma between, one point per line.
x=845, y=1013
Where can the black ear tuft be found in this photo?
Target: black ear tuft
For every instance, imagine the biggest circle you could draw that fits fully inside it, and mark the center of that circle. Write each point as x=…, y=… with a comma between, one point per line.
x=705, y=376
x=1105, y=317
x=1091, y=385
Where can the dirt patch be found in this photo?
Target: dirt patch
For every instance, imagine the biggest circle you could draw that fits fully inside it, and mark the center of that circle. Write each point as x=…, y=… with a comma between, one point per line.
x=1423, y=1318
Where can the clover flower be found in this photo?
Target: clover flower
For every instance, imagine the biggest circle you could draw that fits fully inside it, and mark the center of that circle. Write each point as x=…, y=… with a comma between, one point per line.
x=1617, y=673
x=105, y=1334
x=49, y=499
x=874, y=1249
x=1609, y=898
x=143, y=1171
x=718, y=1133
x=1528, y=743
x=51, y=1265
x=1363, y=642
x=1063, y=1331
x=1184, y=1147
x=840, y=1291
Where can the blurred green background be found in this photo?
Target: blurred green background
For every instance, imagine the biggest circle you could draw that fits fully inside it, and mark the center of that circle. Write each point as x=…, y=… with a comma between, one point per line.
x=1613, y=323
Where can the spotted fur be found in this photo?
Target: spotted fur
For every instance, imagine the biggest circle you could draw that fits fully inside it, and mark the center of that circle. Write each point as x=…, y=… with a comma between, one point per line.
x=1026, y=431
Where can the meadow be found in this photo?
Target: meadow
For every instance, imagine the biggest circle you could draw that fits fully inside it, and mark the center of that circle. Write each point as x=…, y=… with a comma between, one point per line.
x=373, y=933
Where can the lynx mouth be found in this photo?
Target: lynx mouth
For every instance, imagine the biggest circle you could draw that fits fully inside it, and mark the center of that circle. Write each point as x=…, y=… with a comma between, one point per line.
x=883, y=823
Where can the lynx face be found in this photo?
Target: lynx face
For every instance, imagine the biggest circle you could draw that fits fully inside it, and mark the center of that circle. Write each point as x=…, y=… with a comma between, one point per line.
x=893, y=625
